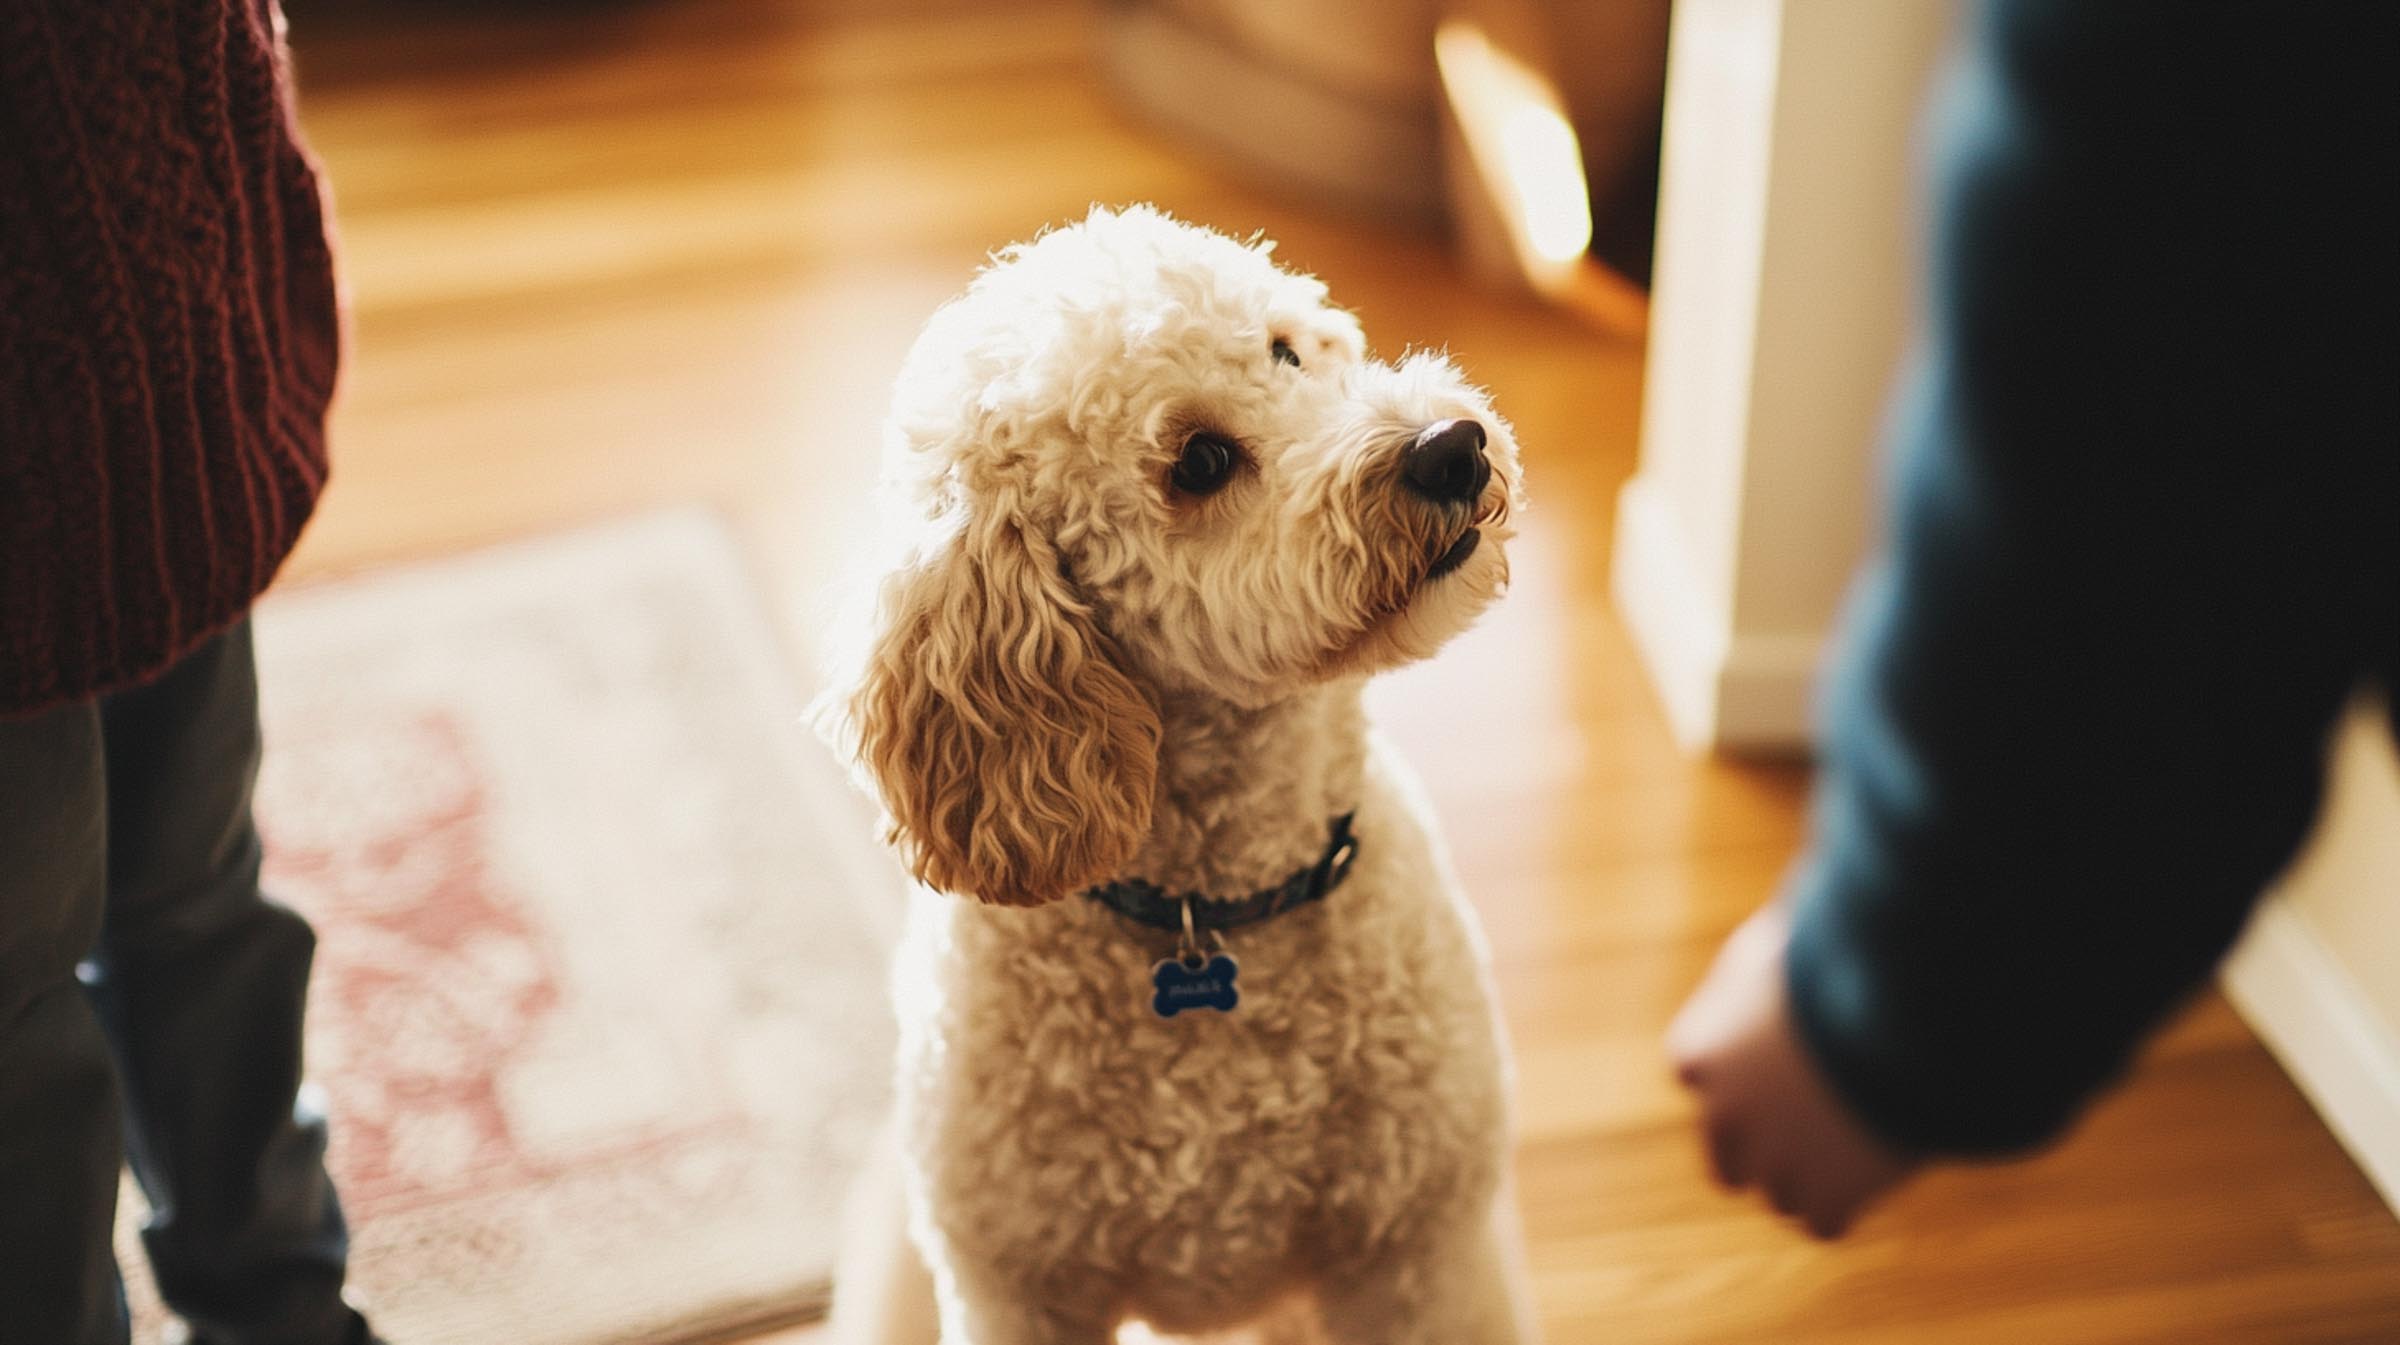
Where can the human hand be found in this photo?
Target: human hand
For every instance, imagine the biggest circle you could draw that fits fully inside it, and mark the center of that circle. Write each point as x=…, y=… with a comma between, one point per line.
x=1769, y=1117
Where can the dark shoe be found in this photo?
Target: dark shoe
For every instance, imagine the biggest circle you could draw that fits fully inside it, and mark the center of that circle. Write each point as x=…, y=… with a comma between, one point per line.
x=181, y=1333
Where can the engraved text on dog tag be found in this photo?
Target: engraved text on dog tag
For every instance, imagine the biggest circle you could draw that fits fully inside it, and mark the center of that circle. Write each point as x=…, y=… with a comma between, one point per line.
x=1195, y=984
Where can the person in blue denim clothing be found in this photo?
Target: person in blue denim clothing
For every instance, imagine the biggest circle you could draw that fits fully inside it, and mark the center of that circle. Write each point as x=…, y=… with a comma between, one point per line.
x=2144, y=549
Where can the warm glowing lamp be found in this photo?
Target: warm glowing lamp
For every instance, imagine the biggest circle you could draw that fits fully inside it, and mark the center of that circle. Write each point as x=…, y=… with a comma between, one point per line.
x=1517, y=132
x=1530, y=168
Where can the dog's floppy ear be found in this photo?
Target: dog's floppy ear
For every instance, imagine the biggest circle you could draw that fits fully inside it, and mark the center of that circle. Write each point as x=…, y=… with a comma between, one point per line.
x=1014, y=754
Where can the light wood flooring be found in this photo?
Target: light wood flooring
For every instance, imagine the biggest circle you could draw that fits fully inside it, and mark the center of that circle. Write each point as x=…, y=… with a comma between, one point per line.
x=611, y=255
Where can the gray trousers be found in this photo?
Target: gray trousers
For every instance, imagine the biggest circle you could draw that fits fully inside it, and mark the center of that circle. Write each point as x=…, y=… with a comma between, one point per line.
x=150, y=1008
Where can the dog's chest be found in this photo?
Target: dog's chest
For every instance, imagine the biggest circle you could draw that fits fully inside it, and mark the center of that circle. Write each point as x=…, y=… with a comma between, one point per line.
x=1214, y=1152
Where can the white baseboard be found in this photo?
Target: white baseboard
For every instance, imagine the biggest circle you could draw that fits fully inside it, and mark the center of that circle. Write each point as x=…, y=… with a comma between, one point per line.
x=2312, y=1014
x=1676, y=625
x=1766, y=693
x=1722, y=690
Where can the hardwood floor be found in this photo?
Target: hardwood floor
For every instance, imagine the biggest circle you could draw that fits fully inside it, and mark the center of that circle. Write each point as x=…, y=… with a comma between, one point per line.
x=609, y=255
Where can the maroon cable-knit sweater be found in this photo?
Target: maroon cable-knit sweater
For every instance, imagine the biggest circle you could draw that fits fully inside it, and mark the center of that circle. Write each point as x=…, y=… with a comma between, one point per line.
x=168, y=334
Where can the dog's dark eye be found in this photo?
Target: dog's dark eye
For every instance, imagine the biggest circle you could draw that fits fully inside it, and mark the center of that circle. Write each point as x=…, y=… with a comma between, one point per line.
x=1206, y=465
x=1284, y=354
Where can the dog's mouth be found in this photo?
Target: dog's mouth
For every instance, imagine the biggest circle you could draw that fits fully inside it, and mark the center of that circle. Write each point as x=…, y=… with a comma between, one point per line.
x=1449, y=561
x=1394, y=633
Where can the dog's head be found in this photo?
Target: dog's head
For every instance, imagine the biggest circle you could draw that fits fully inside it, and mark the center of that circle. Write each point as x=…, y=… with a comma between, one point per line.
x=1151, y=463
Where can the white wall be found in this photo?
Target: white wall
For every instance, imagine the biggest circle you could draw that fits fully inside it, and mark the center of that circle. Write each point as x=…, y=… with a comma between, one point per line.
x=2319, y=973
x=1782, y=296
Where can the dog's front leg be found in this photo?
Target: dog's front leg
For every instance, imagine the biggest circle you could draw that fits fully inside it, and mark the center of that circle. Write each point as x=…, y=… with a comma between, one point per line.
x=1466, y=1288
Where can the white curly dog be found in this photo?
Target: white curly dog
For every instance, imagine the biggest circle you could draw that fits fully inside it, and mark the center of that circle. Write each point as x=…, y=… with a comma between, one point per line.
x=1210, y=1039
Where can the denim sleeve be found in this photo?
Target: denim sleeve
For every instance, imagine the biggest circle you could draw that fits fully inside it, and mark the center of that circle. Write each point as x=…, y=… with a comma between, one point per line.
x=2143, y=542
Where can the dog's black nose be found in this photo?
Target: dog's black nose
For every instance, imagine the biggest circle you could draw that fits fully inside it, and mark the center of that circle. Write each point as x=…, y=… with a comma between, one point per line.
x=1445, y=463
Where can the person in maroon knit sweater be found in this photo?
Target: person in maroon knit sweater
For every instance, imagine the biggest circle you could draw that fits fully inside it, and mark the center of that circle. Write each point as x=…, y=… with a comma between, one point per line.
x=168, y=343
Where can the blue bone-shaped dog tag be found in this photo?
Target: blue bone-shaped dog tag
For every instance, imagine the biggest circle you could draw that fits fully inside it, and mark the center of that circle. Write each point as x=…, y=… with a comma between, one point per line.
x=1207, y=985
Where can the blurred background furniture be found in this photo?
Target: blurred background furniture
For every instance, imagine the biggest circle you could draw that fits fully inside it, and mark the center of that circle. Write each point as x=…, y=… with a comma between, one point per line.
x=1528, y=129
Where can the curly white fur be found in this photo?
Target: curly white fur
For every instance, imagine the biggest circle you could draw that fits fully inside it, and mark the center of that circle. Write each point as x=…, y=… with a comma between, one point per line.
x=1084, y=673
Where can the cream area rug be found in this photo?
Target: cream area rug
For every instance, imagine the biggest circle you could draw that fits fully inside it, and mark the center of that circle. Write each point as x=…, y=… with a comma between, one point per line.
x=599, y=1007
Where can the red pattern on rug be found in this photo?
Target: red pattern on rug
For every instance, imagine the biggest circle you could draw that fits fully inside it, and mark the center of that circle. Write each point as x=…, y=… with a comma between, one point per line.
x=388, y=971
x=598, y=1005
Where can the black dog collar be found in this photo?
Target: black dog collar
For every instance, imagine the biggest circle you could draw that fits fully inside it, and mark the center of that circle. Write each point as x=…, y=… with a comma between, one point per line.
x=1148, y=904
